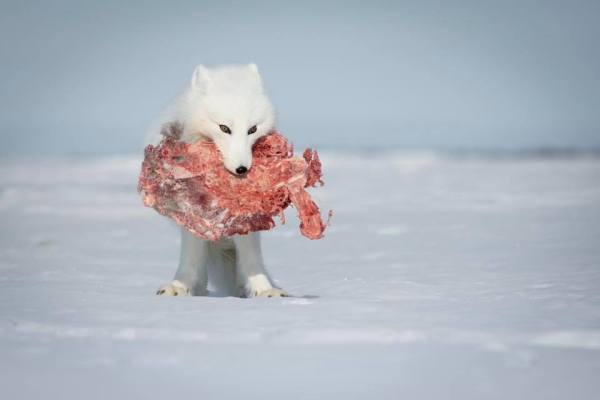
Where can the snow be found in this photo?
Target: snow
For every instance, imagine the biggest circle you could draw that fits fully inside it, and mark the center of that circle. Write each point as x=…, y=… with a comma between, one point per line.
x=440, y=277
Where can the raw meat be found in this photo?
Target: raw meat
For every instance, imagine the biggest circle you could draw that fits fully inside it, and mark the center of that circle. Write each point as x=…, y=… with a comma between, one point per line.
x=188, y=183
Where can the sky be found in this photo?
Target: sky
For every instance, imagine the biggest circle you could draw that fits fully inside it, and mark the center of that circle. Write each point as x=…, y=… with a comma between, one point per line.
x=87, y=77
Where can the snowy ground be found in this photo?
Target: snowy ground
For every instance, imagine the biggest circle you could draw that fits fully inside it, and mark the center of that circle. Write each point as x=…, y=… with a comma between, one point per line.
x=440, y=278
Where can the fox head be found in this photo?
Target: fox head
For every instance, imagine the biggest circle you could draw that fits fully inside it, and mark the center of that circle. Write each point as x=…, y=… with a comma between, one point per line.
x=229, y=106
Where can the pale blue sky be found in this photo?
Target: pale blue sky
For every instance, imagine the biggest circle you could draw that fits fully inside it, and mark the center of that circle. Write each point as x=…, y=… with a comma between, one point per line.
x=89, y=76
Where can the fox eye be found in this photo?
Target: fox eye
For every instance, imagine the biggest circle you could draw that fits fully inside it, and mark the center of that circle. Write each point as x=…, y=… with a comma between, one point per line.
x=252, y=130
x=225, y=129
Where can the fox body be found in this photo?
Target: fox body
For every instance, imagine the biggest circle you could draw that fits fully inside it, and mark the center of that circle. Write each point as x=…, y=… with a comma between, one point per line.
x=228, y=106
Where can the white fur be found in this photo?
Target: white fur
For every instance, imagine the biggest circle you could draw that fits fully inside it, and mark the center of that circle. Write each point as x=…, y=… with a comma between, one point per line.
x=232, y=96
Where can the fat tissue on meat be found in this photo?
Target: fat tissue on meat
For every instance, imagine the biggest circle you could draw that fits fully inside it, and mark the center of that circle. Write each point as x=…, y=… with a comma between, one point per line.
x=188, y=183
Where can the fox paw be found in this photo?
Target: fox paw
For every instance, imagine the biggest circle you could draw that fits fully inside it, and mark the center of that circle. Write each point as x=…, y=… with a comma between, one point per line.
x=174, y=288
x=259, y=286
x=273, y=292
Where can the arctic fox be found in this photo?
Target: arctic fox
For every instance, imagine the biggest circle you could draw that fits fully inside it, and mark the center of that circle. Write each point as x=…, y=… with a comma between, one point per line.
x=227, y=105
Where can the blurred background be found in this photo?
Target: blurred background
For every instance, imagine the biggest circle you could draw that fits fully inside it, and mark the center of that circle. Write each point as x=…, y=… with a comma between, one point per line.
x=89, y=77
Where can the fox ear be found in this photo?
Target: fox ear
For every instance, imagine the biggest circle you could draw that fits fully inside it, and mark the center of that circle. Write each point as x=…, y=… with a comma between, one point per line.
x=200, y=78
x=254, y=69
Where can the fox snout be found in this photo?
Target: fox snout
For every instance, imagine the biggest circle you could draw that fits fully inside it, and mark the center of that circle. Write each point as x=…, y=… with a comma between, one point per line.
x=238, y=157
x=237, y=167
x=241, y=170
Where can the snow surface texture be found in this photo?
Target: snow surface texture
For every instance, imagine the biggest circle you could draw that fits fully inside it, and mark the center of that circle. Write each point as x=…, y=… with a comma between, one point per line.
x=439, y=278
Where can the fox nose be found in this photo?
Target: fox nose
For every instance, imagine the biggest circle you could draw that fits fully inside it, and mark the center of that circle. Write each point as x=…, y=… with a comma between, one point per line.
x=241, y=170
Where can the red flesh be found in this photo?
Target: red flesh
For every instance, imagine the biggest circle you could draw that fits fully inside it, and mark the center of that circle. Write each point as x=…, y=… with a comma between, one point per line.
x=188, y=183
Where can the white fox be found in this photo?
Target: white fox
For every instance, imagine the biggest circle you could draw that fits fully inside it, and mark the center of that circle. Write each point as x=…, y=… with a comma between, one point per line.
x=227, y=105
